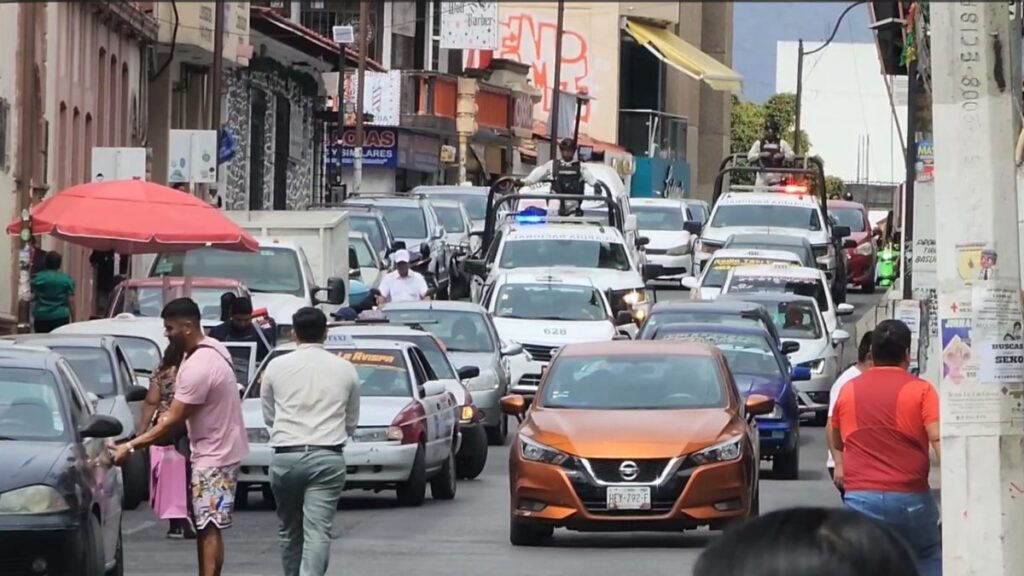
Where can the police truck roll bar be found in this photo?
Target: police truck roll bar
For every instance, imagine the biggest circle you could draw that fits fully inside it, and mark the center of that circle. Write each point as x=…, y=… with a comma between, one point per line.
x=815, y=173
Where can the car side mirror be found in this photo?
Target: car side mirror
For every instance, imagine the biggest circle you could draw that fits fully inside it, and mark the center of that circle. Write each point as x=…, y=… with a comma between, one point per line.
x=689, y=282
x=94, y=400
x=356, y=273
x=844, y=309
x=425, y=249
x=135, y=394
x=801, y=374
x=840, y=232
x=840, y=336
x=653, y=271
x=438, y=232
x=335, y=292
x=789, y=346
x=476, y=267
x=623, y=317
x=758, y=405
x=642, y=241
x=433, y=388
x=693, y=227
x=849, y=243
x=467, y=372
x=99, y=426
x=514, y=405
x=513, y=349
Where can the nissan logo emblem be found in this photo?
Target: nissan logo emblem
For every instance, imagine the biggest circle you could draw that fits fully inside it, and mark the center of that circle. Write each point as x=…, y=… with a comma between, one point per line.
x=629, y=470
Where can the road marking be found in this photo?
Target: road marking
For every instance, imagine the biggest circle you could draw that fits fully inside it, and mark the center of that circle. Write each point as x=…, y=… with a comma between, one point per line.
x=140, y=527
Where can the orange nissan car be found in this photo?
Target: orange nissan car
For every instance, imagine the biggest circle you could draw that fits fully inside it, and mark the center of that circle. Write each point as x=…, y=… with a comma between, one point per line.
x=633, y=435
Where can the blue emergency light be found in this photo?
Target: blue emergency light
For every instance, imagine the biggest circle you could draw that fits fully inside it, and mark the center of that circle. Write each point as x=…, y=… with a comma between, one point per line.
x=532, y=215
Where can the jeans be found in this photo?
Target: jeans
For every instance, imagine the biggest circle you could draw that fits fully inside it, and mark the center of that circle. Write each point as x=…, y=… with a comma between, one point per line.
x=914, y=516
x=307, y=487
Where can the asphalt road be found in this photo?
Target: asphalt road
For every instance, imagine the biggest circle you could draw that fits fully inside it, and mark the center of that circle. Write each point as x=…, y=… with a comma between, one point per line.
x=468, y=535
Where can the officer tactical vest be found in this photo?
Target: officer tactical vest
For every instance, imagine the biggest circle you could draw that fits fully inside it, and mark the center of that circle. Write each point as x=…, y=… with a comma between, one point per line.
x=570, y=177
x=773, y=148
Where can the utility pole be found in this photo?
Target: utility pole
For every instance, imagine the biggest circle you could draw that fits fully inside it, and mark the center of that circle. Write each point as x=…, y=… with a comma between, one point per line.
x=799, y=97
x=975, y=203
x=216, y=82
x=465, y=120
x=341, y=117
x=357, y=160
x=556, y=92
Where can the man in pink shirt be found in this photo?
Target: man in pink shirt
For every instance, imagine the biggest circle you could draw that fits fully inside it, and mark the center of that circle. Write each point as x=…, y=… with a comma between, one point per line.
x=206, y=400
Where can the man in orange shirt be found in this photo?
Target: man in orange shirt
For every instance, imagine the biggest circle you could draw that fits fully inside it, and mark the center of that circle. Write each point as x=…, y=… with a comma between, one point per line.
x=882, y=425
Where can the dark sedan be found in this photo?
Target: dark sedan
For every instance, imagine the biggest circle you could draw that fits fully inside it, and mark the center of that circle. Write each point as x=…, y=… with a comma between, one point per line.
x=60, y=495
x=731, y=313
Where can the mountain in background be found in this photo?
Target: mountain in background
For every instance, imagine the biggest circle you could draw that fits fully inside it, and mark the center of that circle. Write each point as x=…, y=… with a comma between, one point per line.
x=758, y=26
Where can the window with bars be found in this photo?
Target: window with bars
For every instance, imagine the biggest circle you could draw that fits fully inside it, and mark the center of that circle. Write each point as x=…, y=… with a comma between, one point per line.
x=320, y=16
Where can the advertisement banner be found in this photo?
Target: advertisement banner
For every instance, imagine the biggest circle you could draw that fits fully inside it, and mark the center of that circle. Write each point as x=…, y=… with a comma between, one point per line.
x=381, y=99
x=380, y=149
x=469, y=25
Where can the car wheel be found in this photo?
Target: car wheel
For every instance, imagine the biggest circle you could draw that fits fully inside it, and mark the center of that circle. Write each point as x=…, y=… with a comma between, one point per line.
x=136, y=480
x=787, y=466
x=444, y=484
x=118, y=569
x=473, y=454
x=241, y=496
x=523, y=533
x=413, y=491
x=92, y=557
x=496, y=434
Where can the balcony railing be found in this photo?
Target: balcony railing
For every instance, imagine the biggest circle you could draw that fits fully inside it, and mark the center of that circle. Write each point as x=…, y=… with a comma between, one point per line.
x=653, y=134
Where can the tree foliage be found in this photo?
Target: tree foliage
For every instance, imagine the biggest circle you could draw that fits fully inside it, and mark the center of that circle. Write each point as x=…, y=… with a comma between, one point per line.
x=748, y=119
x=834, y=186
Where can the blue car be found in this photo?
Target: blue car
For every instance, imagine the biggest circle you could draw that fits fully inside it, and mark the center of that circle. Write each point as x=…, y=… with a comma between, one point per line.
x=758, y=367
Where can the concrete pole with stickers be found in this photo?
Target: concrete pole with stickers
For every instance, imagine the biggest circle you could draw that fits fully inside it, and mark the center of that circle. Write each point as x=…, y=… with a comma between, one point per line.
x=976, y=123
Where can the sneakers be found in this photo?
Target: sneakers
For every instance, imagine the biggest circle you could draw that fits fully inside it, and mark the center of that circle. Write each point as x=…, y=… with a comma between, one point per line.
x=181, y=530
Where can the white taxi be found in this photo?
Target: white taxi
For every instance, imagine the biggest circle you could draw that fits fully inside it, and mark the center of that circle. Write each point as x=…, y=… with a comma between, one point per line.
x=598, y=251
x=543, y=311
x=786, y=279
x=795, y=214
x=672, y=232
x=711, y=280
x=406, y=437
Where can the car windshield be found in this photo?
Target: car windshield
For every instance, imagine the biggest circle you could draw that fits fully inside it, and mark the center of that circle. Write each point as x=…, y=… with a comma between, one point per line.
x=745, y=353
x=551, y=252
x=695, y=317
x=273, y=270
x=148, y=301
x=802, y=252
x=697, y=211
x=436, y=356
x=93, y=367
x=406, y=222
x=364, y=259
x=852, y=217
x=451, y=219
x=640, y=382
x=812, y=287
x=719, y=268
x=382, y=373
x=30, y=406
x=797, y=320
x=549, y=302
x=770, y=215
x=370, y=226
x=460, y=331
x=475, y=204
x=143, y=354
x=668, y=218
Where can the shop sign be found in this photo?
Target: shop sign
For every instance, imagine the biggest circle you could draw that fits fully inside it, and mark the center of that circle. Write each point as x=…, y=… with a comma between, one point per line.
x=380, y=148
x=448, y=154
x=469, y=25
x=522, y=112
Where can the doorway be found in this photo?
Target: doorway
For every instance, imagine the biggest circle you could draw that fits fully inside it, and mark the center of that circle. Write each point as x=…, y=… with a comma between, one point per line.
x=282, y=139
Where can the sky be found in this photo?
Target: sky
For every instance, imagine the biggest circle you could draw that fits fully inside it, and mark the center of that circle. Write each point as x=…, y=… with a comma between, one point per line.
x=754, y=39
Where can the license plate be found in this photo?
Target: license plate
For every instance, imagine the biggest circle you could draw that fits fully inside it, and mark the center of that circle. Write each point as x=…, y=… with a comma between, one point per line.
x=631, y=498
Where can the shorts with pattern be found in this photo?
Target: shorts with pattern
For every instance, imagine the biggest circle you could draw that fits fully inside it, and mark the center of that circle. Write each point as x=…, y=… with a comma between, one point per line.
x=213, y=495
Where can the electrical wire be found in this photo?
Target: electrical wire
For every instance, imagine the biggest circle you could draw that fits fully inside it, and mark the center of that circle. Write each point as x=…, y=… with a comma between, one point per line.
x=174, y=44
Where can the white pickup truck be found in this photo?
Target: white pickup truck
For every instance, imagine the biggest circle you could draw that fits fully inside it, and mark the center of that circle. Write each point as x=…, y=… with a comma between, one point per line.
x=302, y=261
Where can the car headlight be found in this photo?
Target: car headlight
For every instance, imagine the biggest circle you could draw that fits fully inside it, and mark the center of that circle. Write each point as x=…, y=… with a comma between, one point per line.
x=721, y=452
x=537, y=452
x=482, y=383
x=258, y=435
x=865, y=249
x=816, y=367
x=378, y=434
x=681, y=250
x=708, y=247
x=466, y=414
x=37, y=499
x=776, y=414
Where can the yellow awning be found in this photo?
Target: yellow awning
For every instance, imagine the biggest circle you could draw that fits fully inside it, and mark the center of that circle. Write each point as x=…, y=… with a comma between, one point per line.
x=685, y=57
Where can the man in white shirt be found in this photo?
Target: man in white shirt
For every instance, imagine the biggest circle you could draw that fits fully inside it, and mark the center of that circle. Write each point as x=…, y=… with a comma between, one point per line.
x=311, y=405
x=403, y=284
x=863, y=363
x=770, y=152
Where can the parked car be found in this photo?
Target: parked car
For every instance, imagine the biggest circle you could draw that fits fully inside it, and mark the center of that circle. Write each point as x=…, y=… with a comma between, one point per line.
x=142, y=340
x=146, y=296
x=474, y=198
x=616, y=440
x=672, y=233
x=861, y=256
x=60, y=494
x=101, y=365
x=407, y=423
x=470, y=338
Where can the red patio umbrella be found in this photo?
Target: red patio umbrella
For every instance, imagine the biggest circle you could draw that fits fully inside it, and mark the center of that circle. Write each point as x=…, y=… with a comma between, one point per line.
x=135, y=217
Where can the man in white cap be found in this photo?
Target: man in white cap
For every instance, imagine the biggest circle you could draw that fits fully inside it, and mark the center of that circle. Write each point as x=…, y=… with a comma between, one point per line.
x=403, y=284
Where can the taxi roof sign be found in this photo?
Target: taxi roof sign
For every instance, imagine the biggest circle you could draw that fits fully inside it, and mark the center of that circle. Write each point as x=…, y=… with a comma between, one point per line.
x=340, y=339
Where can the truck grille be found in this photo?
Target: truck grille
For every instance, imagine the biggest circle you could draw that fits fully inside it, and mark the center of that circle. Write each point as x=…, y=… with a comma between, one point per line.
x=540, y=352
x=663, y=498
x=532, y=380
x=607, y=470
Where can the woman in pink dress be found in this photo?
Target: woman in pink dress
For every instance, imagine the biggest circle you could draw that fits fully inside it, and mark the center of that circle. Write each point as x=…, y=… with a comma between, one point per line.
x=168, y=467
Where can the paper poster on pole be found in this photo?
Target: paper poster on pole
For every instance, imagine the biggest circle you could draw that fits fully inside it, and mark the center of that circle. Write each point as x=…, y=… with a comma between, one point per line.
x=997, y=326
x=469, y=25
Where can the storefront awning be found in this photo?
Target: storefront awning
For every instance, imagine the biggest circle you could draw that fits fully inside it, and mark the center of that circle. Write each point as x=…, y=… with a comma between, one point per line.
x=685, y=57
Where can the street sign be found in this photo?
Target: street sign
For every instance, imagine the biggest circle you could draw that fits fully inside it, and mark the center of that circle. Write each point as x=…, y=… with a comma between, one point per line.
x=193, y=156
x=118, y=164
x=343, y=34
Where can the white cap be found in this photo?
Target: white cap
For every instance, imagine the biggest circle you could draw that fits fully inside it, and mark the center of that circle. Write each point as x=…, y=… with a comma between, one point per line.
x=402, y=256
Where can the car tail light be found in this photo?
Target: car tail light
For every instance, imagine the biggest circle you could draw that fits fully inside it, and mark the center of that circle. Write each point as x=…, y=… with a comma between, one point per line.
x=411, y=421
